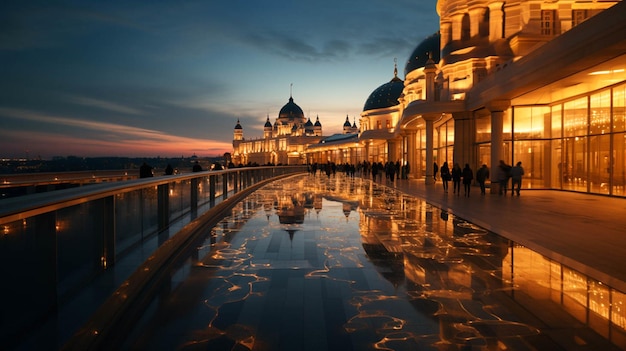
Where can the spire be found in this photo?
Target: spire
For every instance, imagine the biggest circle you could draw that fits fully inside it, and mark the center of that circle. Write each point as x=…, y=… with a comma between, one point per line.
x=290, y=91
x=395, y=67
x=395, y=71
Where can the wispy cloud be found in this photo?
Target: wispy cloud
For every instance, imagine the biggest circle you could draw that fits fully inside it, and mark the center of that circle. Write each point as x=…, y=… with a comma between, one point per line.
x=109, y=138
x=105, y=105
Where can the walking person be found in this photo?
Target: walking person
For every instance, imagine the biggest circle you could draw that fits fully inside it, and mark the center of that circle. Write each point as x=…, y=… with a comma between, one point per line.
x=481, y=177
x=435, y=170
x=456, y=179
x=468, y=176
x=516, y=178
x=445, y=176
x=503, y=177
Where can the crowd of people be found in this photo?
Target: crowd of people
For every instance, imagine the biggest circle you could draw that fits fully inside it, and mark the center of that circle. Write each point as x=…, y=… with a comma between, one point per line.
x=457, y=175
x=392, y=170
x=395, y=170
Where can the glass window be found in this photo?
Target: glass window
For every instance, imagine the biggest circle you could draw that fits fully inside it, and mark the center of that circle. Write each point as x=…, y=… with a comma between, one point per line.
x=600, y=164
x=578, y=16
x=600, y=113
x=556, y=121
x=575, y=121
x=531, y=122
x=483, y=129
x=506, y=125
x=548, y=19
x=619, y=164
x=619, y=99
x=575, y=164
x=450, y=132
x=531, y=154
x=559, y=172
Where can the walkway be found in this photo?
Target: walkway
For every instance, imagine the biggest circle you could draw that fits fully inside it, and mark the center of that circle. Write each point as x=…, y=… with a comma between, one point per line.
x=585, y=232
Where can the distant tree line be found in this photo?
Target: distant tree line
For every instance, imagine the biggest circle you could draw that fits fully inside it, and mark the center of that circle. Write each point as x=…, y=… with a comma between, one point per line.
x=75, y=164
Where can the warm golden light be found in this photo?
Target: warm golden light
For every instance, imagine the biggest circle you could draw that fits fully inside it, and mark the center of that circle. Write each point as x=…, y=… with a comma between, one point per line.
x=596, y=73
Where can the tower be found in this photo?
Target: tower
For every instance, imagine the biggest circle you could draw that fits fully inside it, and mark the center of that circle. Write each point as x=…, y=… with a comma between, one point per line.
x=238, y=133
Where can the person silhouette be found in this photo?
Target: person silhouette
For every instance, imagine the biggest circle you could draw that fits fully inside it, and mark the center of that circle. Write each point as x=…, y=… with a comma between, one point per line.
x=145, y=171
x=445, y=175
x=468, y=176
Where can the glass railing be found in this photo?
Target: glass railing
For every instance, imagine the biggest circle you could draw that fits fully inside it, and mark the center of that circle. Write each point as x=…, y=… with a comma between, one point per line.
x=63, y=252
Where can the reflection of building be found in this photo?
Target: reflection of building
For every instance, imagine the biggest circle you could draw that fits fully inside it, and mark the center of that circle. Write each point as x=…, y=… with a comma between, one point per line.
x=282, y=143
x=543, y=83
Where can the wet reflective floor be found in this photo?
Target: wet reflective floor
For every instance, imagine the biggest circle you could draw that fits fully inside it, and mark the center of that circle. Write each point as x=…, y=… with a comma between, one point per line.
x=318, y=263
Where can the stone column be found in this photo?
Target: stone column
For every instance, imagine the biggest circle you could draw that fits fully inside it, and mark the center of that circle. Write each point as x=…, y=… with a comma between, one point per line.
x=496, y=17
x=429, y=119
x=497, y=108
x=464, y=136
x=411, y=159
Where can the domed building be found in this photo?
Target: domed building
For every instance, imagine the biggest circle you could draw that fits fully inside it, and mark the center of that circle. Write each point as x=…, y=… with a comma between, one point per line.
x=283, y=142
x=520, y=92
x=381, y=114
x=542, y=83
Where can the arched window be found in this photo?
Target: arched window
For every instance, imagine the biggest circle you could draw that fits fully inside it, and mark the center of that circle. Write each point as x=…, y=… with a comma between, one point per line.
x=483, y=27
x=465, y=27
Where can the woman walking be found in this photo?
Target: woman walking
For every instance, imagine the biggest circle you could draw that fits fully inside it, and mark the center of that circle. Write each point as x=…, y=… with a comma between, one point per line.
x=445, y=176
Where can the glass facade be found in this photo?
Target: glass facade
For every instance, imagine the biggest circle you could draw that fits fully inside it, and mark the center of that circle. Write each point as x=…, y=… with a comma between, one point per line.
x=577, y=145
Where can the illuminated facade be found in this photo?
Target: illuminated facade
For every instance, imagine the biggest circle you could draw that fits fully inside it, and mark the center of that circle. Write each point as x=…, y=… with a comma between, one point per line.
x=284, y=142
x=538, y=82
x=541, y=82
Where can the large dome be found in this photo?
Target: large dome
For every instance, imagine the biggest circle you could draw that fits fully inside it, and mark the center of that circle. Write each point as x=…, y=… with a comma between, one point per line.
x=419, y=56
x=385, y=95
x=291, y=112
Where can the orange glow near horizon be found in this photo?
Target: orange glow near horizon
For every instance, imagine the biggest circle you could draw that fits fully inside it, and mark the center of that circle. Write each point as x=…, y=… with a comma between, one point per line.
x=111, y=140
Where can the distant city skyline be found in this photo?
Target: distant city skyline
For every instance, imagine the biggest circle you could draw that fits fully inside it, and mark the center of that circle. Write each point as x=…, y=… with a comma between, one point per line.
x=144, y=79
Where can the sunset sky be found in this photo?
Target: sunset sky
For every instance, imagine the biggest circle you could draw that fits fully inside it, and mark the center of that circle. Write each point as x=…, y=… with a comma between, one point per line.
x=171, y=78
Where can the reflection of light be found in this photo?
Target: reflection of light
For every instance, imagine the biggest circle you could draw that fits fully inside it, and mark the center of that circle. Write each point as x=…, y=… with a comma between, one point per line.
x=6, y=230
x=596, y=73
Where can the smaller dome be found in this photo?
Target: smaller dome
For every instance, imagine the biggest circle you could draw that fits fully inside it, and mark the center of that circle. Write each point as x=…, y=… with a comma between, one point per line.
x=308, y=123
x=317, y=122
x=347, y=122
x=238, y=126
x=268, y=124
x=385, y=95
x=419, y=56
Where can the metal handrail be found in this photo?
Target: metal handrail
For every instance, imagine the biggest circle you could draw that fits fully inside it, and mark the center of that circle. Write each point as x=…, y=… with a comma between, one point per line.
x=74, y=235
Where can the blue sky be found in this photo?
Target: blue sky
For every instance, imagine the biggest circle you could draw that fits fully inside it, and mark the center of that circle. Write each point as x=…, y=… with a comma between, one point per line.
x=171, y=78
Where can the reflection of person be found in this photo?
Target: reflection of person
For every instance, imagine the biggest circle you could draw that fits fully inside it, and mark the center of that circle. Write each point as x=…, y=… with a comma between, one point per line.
x=468, y=176
x=445, y=176
x=516, y=178
x=197, y=167
x=481, y=177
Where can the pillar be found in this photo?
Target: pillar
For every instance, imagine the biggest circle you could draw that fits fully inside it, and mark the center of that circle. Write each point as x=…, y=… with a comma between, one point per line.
x=496, y=21
x=464, y=137
x=411, y=155
x=497, y=109
x=430, y=121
